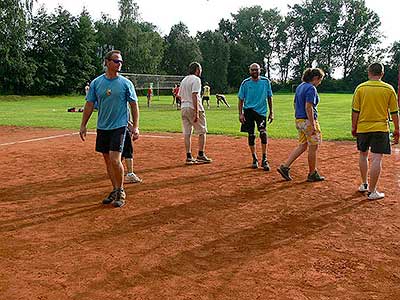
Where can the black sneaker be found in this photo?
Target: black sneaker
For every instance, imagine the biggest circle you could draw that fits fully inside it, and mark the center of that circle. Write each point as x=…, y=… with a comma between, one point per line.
x=254, y=165
x=314, y=177
x=265, y=165
x=285, y=172
x=111, y=197
x=203, y=159
x=120, y=198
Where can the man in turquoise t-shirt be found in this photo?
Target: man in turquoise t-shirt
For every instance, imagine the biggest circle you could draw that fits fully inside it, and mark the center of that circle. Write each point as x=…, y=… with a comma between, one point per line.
x=253, y=95
x=112, y=92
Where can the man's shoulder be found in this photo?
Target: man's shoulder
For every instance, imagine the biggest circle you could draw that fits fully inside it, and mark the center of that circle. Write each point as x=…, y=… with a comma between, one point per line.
x=124, y=80
x=263, y=78
x=245, y=81
x=98, y=78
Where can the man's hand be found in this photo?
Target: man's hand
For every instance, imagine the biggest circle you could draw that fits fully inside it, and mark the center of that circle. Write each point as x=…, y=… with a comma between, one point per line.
x=135, y=133
x=395, y=137
x=354, y=131
x=270, y=117
x=82, y=133
x=242, y=119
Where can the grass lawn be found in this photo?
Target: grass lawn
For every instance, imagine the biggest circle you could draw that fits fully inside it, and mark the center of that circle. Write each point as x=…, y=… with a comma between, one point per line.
x=43, y=111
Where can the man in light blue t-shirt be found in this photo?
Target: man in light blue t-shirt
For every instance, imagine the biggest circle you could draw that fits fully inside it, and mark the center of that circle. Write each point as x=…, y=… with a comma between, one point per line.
x=112, y=92
x=253, y=95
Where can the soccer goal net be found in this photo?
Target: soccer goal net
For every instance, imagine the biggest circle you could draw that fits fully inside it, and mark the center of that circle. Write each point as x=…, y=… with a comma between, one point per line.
x=155, y=82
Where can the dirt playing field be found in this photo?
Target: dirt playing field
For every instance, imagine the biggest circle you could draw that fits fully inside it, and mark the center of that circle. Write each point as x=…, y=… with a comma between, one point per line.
x=217, y=231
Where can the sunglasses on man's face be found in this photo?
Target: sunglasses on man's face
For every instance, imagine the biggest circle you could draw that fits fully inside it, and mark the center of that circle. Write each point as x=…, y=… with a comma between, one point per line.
x=117, y=61
x=254, y=70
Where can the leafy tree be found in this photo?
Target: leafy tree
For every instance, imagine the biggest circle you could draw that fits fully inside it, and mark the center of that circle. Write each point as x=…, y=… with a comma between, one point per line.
x=357, y=34
x=215, y=53
x=16, y=68
x=180, y=50
x=81, y=59
x=256, y=28
x=241, y=56
x=106, y=31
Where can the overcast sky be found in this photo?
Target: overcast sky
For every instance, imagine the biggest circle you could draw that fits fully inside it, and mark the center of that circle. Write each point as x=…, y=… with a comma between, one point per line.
x=201, y=15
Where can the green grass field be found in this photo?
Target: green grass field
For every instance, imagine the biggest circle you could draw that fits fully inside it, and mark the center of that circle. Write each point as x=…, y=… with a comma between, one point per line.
x=43, y=111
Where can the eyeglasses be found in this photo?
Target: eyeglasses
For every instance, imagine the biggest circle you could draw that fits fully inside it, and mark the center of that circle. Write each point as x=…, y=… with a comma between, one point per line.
x=117, y=61
x=254, y=70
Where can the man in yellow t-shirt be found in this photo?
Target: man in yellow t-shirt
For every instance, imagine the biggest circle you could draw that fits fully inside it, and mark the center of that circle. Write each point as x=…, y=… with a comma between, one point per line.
x=373, y=100
x=206, y=95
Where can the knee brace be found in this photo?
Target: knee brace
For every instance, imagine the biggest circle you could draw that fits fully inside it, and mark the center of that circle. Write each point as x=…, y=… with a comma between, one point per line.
x=263, y=137
x=252, y=139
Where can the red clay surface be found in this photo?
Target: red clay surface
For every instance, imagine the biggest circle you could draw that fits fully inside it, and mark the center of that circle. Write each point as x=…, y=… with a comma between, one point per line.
x=218, y=231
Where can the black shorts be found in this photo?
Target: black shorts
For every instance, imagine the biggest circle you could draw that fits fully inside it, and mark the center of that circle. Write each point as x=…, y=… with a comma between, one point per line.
x=252, y=117
x=128, y=146
x=379, y=142
x=110, y=140
x=206, y=98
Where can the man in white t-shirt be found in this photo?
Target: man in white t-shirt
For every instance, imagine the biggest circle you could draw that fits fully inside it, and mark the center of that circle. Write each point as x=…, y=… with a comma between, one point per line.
x=193, y=115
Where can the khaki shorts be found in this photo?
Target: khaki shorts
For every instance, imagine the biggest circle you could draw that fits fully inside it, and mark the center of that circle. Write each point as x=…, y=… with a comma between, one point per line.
x=200, y=127
x=305, y=132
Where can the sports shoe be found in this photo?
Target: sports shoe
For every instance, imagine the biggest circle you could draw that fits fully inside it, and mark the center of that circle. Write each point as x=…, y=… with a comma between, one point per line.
x=314, y=177
x=190, y=161
x=285, y=172
x=363, y=188
x=132, y=178
x=265, y=165
x=254, y=165
x=111, y=197
x=203, y=159
x=120, y=198
x=375, y=195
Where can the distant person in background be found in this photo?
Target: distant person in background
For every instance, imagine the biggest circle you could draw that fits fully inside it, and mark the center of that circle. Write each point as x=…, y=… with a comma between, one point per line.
x=112, y=91
x=372, y=101
x=254, y=94
x=177, y=97
x=193, y=115
x=87, y=87
x=174, y=93
x=306, y=101
x=206, y=95
x=221, y=98
x=149, y=96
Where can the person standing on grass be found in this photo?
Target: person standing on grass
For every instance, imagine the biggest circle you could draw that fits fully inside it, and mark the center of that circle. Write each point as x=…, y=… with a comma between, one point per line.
x=305, y=103
x=253, y=95
x=206, y=95
x=372, y=101
x=112, y=92
x=192, y=112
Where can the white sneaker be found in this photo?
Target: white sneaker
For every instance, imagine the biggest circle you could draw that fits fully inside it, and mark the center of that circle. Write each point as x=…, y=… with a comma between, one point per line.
x=132, y=178
x=363, y=188
x=375, y=195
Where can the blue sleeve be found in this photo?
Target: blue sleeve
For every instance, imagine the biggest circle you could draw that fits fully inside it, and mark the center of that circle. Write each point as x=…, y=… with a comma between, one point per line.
x=91, y=96
x=242, y=93
x=131, y=93
x=311, y=95
x=269, y=89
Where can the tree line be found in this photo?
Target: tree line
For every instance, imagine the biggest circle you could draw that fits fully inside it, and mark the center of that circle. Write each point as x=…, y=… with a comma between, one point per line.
x=57, y=53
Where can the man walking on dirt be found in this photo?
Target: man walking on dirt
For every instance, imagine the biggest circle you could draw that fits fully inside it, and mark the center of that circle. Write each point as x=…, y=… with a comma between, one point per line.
x=372, y=101
x=112, y=92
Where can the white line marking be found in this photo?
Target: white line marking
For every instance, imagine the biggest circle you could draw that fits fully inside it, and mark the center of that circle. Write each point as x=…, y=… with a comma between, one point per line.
x=71, y=134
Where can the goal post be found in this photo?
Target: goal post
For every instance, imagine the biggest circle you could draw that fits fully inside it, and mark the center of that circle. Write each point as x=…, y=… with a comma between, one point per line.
x=156, y=81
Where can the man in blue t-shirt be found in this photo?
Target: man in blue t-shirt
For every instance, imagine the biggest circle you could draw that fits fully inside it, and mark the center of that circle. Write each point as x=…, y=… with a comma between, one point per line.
x=112, y=92
x=253, y=95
